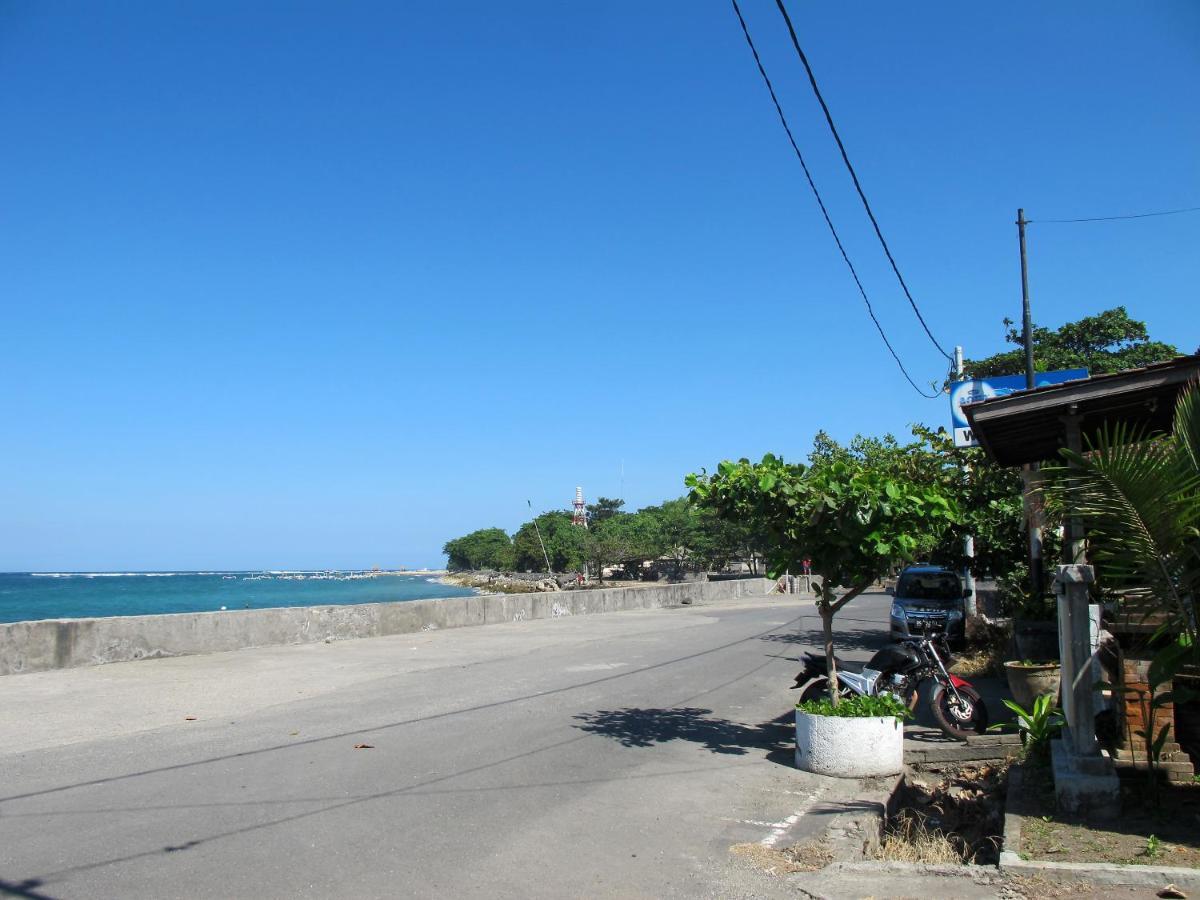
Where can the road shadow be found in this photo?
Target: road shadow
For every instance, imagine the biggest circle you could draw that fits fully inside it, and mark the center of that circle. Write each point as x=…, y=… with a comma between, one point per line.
x=844, y=640
x=635, y=727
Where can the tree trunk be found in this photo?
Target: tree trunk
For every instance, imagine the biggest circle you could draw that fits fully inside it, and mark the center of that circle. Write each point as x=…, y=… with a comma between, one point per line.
x=826, y=610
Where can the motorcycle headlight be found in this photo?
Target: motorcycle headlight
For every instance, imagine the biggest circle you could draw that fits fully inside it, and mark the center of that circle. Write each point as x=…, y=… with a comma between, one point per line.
x=897, y=611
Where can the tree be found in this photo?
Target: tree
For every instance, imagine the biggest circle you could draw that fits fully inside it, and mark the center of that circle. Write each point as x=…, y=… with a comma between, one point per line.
x=675, y=528
x=625, y=539
x=716, y=542
x=603, y=508
x=565, y=544
x=988, y=496
x=487, y=548
x=854, y=521
x=1108, y=342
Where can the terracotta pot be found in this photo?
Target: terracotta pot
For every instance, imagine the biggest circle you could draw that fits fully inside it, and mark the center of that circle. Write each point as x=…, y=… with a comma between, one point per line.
x=1027, y=683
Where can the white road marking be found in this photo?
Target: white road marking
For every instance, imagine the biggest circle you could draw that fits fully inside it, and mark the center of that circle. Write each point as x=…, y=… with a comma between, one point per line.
x=779, y=829
x=596, y=667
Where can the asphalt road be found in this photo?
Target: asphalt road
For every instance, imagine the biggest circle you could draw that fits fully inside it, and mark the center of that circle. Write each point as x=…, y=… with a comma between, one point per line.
x=610, y=755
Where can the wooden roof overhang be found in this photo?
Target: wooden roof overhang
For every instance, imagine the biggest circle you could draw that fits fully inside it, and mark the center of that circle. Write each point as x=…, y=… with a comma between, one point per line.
x=1027, y=426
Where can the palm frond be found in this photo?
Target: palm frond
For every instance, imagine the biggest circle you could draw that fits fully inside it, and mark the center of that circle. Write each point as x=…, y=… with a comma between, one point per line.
x=1187, y=423
x=1139, y=498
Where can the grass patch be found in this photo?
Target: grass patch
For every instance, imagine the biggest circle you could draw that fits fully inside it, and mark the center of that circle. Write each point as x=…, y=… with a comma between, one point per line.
x=1166, y=831
x=911, y=839
x=807, y=857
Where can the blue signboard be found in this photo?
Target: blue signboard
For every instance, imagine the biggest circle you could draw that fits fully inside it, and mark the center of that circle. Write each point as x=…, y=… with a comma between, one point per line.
x=962, y=392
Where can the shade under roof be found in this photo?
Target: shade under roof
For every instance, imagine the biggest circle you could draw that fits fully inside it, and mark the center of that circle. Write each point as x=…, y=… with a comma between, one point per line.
x=1027, y=426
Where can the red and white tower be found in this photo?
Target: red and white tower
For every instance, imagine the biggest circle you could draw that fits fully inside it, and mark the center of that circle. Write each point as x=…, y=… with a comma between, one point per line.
x=579, y=516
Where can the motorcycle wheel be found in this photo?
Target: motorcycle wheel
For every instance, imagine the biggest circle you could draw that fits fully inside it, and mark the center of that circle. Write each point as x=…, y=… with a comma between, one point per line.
x=959, y=722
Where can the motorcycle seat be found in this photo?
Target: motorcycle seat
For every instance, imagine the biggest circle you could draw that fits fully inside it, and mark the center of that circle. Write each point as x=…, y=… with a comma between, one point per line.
x=818, y=663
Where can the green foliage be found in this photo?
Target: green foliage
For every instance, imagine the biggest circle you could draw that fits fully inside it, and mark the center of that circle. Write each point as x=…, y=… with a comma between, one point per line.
x=1019, y=600
x=565, y=544
x=487, y=548
x=858, y=707
x=603, y=508
x=675, y=530
x=988, y=496
x=1153, y=847
x=1108, y=342
x=1037, y=724
x=854, y=519
x=1138, y=496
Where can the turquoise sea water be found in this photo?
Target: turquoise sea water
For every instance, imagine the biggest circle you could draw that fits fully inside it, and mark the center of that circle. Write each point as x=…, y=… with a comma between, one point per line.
x=71, y=595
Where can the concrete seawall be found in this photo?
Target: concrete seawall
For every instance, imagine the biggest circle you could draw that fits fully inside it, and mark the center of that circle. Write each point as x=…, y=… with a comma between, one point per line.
x=66, y=643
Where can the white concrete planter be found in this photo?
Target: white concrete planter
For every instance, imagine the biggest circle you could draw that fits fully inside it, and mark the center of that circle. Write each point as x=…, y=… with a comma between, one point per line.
x=849, y=747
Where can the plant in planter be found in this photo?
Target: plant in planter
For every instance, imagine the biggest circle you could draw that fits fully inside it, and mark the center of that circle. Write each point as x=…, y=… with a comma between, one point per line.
x=1038, y=722
x=1029, y=680
x=859, y=737
x=854, y=521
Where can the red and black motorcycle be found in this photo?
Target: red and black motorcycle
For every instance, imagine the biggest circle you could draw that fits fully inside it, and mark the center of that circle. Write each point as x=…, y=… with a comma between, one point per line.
x=900, y=669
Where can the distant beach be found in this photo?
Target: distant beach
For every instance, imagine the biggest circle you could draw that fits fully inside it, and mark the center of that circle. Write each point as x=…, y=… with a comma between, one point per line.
x=27, y=596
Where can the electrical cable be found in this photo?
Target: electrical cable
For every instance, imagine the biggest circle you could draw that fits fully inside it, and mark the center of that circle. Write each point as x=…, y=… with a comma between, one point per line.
x=854, y=177
x=821, y=203
x=1165, y=212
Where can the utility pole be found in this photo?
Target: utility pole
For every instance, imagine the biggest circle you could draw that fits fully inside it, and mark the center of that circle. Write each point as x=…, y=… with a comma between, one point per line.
x=971, y=604
x=545, y=555
x=1026, y=318
x=1029, y=473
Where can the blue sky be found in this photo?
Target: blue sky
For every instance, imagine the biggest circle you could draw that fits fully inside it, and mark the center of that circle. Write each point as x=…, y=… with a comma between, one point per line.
x=318, y=284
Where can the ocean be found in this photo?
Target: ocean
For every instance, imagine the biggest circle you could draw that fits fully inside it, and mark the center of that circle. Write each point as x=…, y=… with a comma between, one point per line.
x=25, y=596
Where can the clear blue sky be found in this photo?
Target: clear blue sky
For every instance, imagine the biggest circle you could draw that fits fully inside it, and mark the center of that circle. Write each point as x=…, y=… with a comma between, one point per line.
x=325, y=284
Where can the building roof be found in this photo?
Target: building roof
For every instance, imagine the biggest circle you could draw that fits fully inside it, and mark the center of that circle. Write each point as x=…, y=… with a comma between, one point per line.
x=1026, y=426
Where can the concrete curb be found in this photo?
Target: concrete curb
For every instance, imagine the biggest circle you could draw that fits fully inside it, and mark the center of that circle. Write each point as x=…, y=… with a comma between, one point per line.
x=66, y=643
x=1095, y=873
x=1103, y=873
x=856, y=821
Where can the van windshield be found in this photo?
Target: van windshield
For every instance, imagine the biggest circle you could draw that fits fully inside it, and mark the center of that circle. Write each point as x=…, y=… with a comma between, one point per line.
x=929, y=586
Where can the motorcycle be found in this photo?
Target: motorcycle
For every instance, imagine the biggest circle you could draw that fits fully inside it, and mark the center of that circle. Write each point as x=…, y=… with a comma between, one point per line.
x=900, y=669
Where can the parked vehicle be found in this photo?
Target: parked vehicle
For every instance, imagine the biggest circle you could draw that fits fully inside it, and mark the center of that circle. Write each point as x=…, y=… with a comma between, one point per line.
x=900, y=669
x=929, y=599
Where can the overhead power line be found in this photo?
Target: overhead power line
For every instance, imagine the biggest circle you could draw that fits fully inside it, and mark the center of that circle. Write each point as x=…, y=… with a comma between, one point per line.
x=1165, y=212
x=821, y=203
x=812, y=79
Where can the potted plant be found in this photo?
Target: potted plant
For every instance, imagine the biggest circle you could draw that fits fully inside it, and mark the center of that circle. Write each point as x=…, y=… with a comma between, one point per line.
x=860, y=737
x=1028, y=680
x=1034, y=616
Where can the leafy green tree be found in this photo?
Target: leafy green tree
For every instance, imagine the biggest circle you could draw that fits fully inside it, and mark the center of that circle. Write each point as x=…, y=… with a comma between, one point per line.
x=675, y=529
x=487, y=548
x=988, y=496
x=1108, y=342
x=602, y=509
x=716, y=542
x=853, y=520
x=565, y=544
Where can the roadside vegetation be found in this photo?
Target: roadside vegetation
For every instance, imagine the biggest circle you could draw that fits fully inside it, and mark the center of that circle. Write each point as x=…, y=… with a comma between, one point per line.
x=674, y=535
